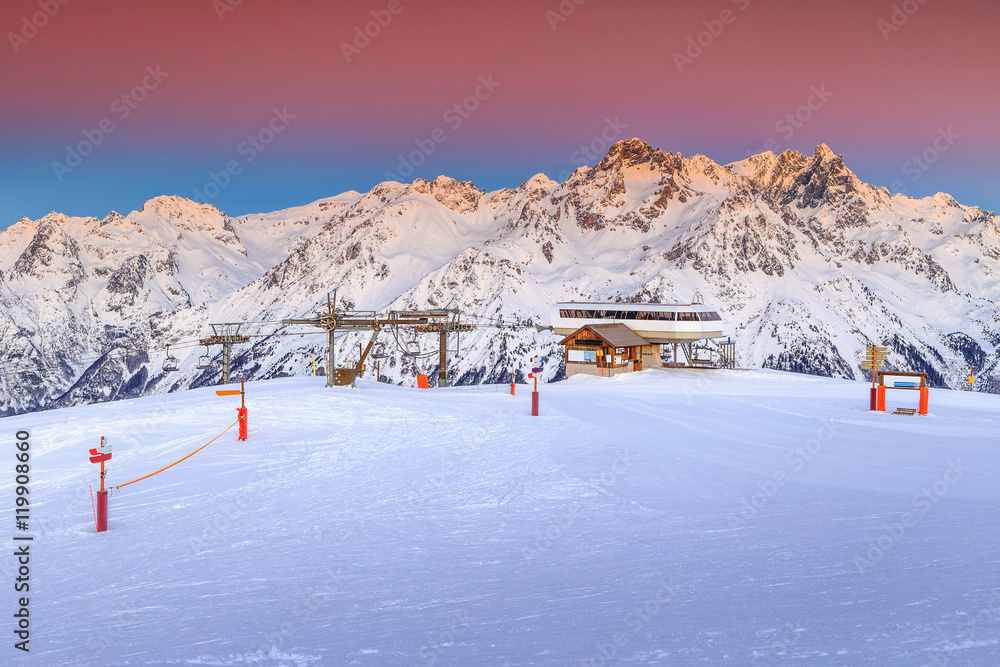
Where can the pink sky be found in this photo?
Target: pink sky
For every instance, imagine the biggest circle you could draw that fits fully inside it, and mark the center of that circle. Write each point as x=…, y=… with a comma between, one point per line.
x=888, y=97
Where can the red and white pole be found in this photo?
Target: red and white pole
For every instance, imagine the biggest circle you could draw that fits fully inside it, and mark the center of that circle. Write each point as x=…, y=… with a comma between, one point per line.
x=101, y=518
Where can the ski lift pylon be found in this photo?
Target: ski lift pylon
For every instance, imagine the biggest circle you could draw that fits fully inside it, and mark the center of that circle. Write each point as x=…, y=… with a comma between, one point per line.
x=170, y=364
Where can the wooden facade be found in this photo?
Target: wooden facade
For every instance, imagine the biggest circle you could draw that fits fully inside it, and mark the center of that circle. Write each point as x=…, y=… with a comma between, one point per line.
x=607, y=349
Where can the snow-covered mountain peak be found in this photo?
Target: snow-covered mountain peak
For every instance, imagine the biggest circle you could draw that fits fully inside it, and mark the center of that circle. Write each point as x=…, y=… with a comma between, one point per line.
x=181, y=212
x=538, y=182
x=116, y=219
x=792, y=178
x=459, y=196
x=629, y=153
x=824, y=153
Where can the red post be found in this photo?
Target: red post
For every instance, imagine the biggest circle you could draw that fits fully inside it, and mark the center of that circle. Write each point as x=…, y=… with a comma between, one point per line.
x=874, y=401
x=243, y=423
x=534, y=404
x=102, y=511
x=511, y=388
x=924, y=396
x=243, y=412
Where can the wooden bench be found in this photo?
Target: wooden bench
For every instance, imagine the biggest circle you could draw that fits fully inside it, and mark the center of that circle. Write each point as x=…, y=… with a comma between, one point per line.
x=905, y=411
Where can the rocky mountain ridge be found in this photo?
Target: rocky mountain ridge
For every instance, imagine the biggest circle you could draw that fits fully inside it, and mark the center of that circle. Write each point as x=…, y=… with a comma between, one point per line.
x=806, y=263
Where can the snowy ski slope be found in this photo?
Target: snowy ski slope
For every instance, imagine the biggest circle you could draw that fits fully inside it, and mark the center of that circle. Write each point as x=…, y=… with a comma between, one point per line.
x=660, y=518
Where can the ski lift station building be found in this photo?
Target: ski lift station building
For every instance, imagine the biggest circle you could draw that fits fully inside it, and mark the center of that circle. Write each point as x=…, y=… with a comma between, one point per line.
x=609, y=338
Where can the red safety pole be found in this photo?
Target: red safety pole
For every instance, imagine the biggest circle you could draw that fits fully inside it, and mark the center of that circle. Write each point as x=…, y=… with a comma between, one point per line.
x=101, y=513
x=534, y=396
x=243, y=414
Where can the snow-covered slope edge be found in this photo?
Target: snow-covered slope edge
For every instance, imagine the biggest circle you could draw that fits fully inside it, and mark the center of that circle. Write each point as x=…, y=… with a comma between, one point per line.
x=673, y=518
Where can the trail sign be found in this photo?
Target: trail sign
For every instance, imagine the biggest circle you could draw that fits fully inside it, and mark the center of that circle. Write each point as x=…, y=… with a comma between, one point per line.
x=874, y=356
x=102, y=454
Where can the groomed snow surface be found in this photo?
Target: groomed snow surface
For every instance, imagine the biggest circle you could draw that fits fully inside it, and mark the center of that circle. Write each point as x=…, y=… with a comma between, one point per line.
x=663, y=518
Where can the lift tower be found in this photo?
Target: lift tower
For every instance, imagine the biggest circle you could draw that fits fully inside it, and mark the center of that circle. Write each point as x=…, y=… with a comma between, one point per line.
x=226, y=335
x=332, y=320
x=443, y=329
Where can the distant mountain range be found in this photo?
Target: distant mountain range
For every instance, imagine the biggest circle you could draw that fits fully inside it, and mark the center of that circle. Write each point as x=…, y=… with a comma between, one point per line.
x=805, y=262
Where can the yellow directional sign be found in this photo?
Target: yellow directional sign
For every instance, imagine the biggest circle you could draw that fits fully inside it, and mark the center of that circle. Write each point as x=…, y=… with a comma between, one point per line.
x=874, y=356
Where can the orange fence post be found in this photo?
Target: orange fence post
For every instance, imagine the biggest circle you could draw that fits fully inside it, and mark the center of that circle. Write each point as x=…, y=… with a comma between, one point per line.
x=880, y=400
x=924, y=396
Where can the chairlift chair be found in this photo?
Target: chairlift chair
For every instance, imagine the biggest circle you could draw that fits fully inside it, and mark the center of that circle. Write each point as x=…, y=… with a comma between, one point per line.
x=204, y=361
x=170, y=364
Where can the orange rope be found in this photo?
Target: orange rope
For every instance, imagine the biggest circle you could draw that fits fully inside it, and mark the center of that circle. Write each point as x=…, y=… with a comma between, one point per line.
x=179, y=460
x=91, y=487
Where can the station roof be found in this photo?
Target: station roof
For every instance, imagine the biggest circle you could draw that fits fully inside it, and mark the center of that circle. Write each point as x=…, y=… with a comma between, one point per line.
x=615, y=335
